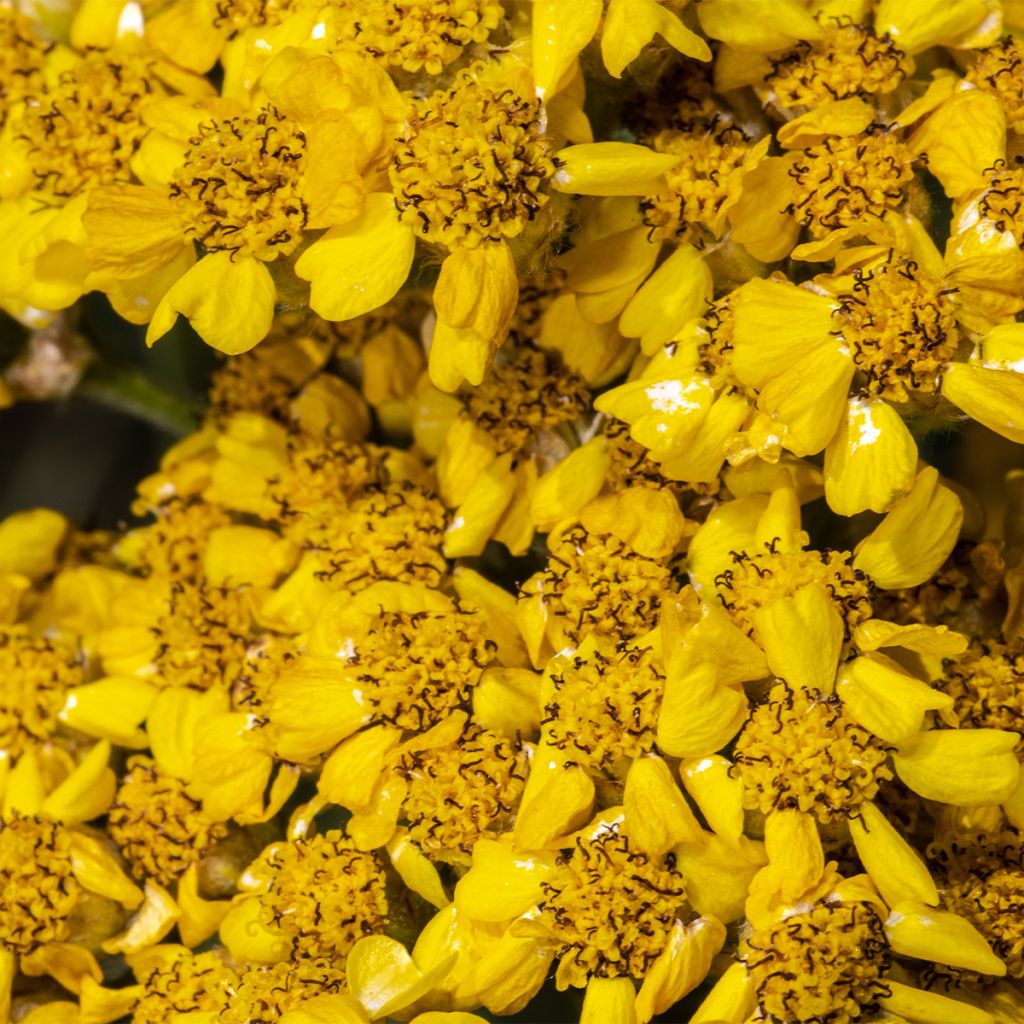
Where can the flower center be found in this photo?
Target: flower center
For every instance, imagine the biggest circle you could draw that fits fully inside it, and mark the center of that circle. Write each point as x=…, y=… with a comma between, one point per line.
x=986, y=683
x=21, y=59
x=524, y=395
x=417, y=35
x=240, y=187
x=758, y=579
x=35, y=675
x=192, y=982
x=202, y=636
x=983, y=881
x=37, y=889
x=845, y=181
x=263, y=381
x=84, y=129
x=610, y=908
x=715, y=350
x=687, y=206
x=460, y=792
x=597, y=584
x=175, y=542
x=471, y=163
x=1003, y=199
x=901, y=328
x=799, y=750
x=849, y=60
x=159, y=828
x=322, y=892
x=681, y=99
x=406, y=679
x=997, y=69
x=238, y=15
x=319, y=480
x=605, y=708
x=265, y=994
x=394, y=532
x=825, y=964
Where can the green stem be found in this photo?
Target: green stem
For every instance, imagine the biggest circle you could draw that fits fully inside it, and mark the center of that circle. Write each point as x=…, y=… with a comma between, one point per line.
x=132, y=392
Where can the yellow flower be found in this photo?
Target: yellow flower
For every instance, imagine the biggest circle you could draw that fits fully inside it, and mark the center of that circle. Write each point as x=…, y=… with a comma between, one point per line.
x=819, y=946
x=247, y=187
x=604, y=909
x=891, y=328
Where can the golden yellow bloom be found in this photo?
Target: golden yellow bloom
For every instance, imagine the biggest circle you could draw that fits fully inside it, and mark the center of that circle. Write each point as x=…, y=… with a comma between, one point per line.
x=172, y=548
x=267, y=993
x=35, y=675
x=414, y=36
x=994, y=70
x=184, y=982
x=159, y=828
x=983, y=682
x=23, y=54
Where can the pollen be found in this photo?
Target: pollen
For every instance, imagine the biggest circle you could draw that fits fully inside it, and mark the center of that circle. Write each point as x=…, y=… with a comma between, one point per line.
x=986, y=683
x=417, y=667
x=37, y=889
x=22, y=52
x=981, y=878
x=321, y=892
x=265, y=994
x=800, y=751
x=604, y=711
x=190, y=983
x=417, y=35
x=1002, y=202
x=321, y=477
x=901, y=328
x=997, y=69
x=238, y=15
x=202, y=636
x=595, y=583
x=825, y=964
x=610, y=908
x=756, y=579
x=174, y=543
x=461, y=792
x=391, y=532
x=846, y=181
x=472, y=162
x=159, y=828
x=35, y=675
x=528, y=393
x=84, y=129
x=849, y=60
x=688, y=205
x=240, y=187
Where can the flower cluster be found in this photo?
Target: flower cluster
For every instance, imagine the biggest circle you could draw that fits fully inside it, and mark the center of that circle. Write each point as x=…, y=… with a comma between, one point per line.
x=554, y=591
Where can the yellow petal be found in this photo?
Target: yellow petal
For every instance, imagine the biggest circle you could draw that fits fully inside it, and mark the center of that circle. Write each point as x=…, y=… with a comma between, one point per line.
x=131, y=230
x=238, y=555
x=765, y=230
x=758, y=27
x=331, y=1009
x=563, y=802
x=416, y=871
x=922, y=1007
x=610, y=169
x=894, y=865
x=200, y=918
x=648, y=520
x=478, y=288
x=65, y=962
x=29, y=542
x=657, y=814
x=802, y=637
x=698, y=716
x=357, y=267
x=149, y=924
x=475, y=519
x=681, y=966
x=839, y=117
x=507, y=700
x=938, y=640
x=915, y=25
x=99, y=1005
x=885, y=699
x=111, y=708
x=963, y=137
x=993, y=397
x=248, y=935
x=172, y=722
x=677, y=292
x=718, y=875
x=502, y=883
x=609, y=1001
x=662, y=413
x=631, y=24
x=939, y=936
x=963, y=767
x=383, y=977
x=731, y=1001
x=871, y=460
x=576, y=481
x=718, y=793
x=795, y=856
x=230, y=303
x=87, y=792
x=915, y=538
x=561, y=28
